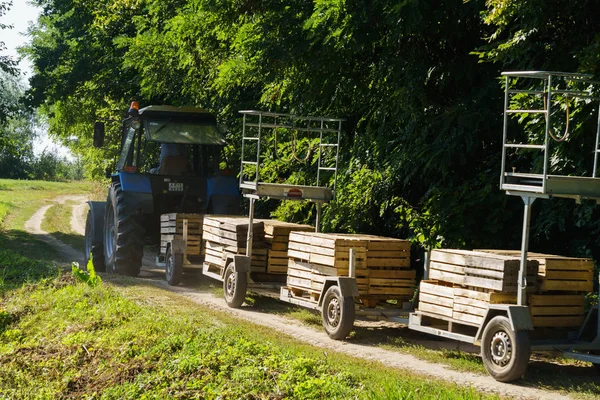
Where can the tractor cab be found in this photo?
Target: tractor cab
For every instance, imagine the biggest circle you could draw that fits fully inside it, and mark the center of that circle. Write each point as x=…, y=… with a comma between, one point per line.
x=169, y=162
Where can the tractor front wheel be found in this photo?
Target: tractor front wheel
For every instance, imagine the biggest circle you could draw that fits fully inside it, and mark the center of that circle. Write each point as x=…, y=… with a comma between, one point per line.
x=123, y=235
x=94, y=247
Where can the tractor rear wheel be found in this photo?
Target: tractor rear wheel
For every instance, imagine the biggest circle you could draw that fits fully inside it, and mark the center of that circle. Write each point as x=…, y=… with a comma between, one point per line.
x=123, y=235
x=94, y=247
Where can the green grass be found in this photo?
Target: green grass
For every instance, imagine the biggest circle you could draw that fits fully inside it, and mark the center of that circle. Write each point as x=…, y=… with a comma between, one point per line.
x=19, y=200
x=57, y=222
x=66, y=339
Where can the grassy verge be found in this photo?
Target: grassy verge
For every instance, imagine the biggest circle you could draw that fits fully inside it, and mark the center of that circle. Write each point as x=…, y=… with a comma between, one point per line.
x=57, y=222
x=61, y=339
x=575, y=378
x=19, y=200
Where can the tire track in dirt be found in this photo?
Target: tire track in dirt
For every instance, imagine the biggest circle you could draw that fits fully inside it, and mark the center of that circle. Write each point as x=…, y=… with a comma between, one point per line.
x=34, y=227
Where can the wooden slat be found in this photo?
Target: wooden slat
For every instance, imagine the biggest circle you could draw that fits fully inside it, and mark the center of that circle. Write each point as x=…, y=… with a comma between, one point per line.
x=432, y=287
x=464, y=317
x=436, y=309
x=577, y=286
x=556, y=300
x=557, y=321
x=433, y=299
x=556, y=310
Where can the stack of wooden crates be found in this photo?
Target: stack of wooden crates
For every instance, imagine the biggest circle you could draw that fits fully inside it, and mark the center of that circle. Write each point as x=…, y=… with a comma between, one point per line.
x=382, y=265
x=226, y=235
x=277, y=236
x=463, y=283
x=171, y=227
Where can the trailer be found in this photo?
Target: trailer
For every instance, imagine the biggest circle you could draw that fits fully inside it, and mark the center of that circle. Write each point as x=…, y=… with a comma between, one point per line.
x=506, y=333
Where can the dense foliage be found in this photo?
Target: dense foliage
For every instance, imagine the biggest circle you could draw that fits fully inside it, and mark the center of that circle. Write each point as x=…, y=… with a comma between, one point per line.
x=416, y=82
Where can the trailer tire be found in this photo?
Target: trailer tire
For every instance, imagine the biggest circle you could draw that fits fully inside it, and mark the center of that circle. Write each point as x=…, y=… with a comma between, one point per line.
x=234, y=286
x=337, y=313
x=173, y=267
x=505, y=353
x=93, y=246
x=123, y=235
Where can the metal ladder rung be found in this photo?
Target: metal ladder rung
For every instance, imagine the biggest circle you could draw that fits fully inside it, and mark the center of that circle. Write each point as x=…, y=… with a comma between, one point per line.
x=526, y=91
x=525, y=146
x=526, y=111
x=327, y=168
x=250, y=138
x=328, y=145
x=250, y=162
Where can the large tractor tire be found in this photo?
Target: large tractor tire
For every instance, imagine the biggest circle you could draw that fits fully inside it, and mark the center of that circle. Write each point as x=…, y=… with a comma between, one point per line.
x=505, y=353
x=123, y=235
x=94, y=245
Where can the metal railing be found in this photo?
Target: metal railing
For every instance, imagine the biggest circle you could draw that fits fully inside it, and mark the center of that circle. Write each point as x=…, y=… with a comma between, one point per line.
x=547, y=85
x=260, y=126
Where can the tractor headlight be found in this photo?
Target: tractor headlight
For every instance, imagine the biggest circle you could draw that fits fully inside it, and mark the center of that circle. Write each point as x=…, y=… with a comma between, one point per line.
x=136, y=124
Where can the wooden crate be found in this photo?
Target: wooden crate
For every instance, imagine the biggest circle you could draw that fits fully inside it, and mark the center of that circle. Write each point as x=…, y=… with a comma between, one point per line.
x=227, y=235
x=171, y=227
x=565, y=311
x=276, y=239
x=384, y=280
x=480, y=270
x=470, y=306
x=557, y=273
x=436, y=297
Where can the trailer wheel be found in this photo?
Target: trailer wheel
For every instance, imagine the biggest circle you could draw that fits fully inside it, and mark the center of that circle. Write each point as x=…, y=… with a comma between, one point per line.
x=505, y=353
x=337, y=314
x=234, y=286
x=123, y=235
x=173, y=267
x=93, y=246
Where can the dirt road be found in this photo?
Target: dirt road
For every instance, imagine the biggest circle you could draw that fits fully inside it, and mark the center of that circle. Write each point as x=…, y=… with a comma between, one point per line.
x=153, y=276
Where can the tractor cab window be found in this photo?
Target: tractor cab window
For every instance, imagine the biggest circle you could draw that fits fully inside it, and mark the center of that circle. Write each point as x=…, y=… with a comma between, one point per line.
x=184, y=132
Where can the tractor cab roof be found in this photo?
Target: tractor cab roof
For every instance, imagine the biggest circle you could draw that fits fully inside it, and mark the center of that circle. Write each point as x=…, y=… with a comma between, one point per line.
x=186, y=125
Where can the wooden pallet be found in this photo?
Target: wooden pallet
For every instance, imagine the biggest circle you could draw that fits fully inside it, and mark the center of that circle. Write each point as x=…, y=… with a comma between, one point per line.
x=171, y=227
x=558, y=273
x=480, y=270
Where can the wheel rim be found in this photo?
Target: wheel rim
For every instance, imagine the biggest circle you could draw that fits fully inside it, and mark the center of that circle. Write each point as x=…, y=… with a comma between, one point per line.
x=333, y=312
x=230, y=285
x=501, y=348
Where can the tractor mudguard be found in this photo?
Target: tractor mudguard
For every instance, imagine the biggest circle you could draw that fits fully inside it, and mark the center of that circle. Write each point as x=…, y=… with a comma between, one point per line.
x=138, y=191
x=223, y=195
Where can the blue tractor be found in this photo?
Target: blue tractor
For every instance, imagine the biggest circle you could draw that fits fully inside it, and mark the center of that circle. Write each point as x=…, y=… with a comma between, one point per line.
x=169, y=162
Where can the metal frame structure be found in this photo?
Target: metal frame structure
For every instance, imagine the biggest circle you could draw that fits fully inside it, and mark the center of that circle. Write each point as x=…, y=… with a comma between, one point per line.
x=531, y=187
x=549, y=85
x=255, y=123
